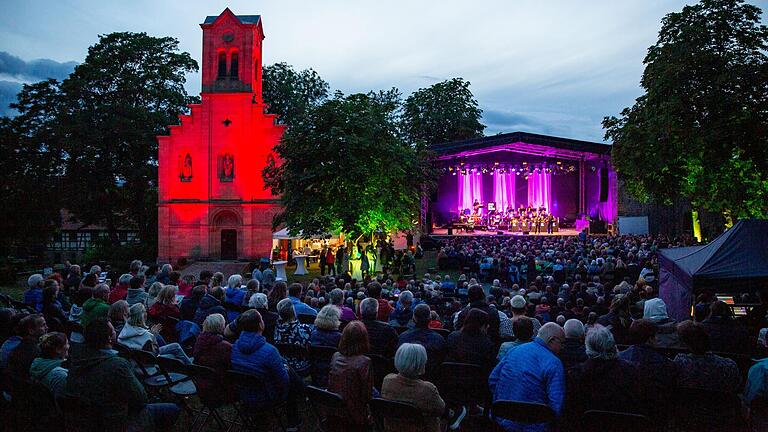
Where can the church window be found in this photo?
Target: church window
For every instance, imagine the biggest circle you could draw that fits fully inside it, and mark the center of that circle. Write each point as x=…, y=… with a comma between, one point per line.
x=233, y=66
x=222, y=65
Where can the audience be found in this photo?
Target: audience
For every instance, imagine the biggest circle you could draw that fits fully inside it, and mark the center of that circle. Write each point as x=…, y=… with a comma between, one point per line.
x=106, y=382
x=47, y=369
x=700, y=369
x=405, y=386
x=421, y=334
x=523, y=328
x=290, y=331
x=97, y=306
x=604, y=381
x=573, y=352
x=351, y=375
x=20, y=357
x=382, y=337
x=532, y=373
x=137, y=335
x=471, y=344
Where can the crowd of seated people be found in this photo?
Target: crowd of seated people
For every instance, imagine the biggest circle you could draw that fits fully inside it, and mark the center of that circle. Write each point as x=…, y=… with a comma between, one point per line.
x=573, y=338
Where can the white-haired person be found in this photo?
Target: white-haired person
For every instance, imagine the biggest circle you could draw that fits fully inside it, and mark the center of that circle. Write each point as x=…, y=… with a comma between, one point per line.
x=33, y=296
x=573, y=352
x=290, y=331
x=325, y=334
x=260, y=302
x=406, y=386
x=604, y=381
x=137, y=335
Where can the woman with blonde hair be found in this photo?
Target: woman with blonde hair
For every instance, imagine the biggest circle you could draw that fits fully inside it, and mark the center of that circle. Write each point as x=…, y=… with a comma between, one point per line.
x=165, y=304
x=152, y=293
x=326, y=333
x=137, y=335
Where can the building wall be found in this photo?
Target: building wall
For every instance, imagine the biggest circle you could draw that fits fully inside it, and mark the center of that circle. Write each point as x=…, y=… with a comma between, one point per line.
x=227, y=140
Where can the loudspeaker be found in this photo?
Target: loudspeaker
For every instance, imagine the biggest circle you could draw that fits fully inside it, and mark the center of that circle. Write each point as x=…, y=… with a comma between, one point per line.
x=499, y=232
x=603, y=184
x=450, y=230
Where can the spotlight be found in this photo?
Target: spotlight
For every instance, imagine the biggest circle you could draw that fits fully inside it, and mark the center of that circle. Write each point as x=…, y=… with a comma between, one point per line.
x=495, y=163
x=453, y=173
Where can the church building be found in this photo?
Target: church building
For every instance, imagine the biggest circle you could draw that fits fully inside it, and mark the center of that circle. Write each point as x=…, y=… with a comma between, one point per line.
x=212, y=201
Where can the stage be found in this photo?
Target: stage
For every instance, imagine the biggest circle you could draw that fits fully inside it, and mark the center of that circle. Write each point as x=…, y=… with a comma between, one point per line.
x=443, y=232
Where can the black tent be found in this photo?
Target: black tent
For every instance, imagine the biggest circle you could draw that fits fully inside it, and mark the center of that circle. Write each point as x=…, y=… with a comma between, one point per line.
x=734, y=262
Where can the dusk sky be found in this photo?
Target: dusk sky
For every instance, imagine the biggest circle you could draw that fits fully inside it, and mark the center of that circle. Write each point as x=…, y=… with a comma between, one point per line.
x=550, y=67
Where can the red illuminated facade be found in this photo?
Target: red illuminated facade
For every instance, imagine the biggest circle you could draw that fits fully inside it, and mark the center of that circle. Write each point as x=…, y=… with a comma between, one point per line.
x=212, y=201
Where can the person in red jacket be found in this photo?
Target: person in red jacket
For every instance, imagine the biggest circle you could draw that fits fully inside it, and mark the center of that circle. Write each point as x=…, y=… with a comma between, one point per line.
x=374, y=291
x=213, y=351
x=120, y=291
x=330, y=262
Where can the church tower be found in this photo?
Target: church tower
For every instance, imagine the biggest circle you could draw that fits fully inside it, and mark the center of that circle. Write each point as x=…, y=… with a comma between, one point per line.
x=212, y=200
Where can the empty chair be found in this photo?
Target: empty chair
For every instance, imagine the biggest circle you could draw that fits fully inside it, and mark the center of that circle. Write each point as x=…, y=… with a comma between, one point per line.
x=463, y=384
x=320, y=358
x=329, y=408
x=212, y=392
x=382, y=366
x=705, y=410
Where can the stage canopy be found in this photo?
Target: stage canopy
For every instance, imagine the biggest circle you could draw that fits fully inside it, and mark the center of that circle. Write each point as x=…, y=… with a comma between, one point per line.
x=734, y=262
x=571, y=179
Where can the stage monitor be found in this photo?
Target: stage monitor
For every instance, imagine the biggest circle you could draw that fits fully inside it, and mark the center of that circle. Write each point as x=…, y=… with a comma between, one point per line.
x=731, y=302
x=491, y=206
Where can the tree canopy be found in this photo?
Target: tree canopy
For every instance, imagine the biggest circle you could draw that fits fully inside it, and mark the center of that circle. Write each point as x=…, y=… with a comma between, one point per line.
x=701, y=129
x=127, y=91
x=446, y=111
x=346, y=168
x=91, y=139
x=291, y=94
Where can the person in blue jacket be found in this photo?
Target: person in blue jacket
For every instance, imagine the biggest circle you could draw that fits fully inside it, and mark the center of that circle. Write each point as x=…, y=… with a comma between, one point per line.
x=252, y=354
x=294, y=293
x=234, y=295
x=532, y=373
x=33, y=296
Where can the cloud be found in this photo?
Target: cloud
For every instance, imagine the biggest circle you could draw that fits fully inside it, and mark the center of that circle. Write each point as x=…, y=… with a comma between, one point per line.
x=14, y=72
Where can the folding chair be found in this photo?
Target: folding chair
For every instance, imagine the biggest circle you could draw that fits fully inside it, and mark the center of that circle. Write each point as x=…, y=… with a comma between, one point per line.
x=463, y=384
x=382, y=366
x=212, y=392
x=401, y=412
x=180, y=385
x=522, y=412
x=320, y=360
x=326, y=406
x=249, y=415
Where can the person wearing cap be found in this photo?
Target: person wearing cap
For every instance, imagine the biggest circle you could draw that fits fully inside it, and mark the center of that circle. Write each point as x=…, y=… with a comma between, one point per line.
x=518, y=305
x=532, y=372
x=423, y=335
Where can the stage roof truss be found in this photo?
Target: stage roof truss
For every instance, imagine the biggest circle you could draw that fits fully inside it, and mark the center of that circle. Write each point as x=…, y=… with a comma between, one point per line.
x=526, y=148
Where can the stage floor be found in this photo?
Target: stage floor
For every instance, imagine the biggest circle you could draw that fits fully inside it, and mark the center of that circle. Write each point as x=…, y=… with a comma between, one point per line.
x=461, y=233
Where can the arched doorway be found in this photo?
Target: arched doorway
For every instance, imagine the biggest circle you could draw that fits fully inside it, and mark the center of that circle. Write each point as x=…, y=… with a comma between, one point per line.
x=229, y=244
x=224, y=235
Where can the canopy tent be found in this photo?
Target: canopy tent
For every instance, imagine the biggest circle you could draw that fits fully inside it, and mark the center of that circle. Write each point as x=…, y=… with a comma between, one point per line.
x=734, y=262
x=283, y=234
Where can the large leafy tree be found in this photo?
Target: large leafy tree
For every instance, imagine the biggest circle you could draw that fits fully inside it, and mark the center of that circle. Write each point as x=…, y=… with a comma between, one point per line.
x=346, y=168
x=446, y=111
x=700, y=131
x=127, y=91
x=289, y=93
x=31, y=155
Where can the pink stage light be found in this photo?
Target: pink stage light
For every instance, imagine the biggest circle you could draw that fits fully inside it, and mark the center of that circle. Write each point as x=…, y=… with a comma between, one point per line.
x=503, y=190
x=540, y=189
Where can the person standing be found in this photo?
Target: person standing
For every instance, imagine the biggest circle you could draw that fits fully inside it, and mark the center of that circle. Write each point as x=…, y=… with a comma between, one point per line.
x=321, y=261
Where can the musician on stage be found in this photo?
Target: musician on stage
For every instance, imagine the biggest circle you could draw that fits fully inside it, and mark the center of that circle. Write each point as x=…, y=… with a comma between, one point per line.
x=550, y=224
x=477, y=206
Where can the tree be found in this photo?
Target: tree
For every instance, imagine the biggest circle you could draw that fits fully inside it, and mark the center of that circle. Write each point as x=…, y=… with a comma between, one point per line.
x=346, y=168
x=291, y=94
x=128, y=90
x=701, y=129
x=446, y=111
x=31, y=156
